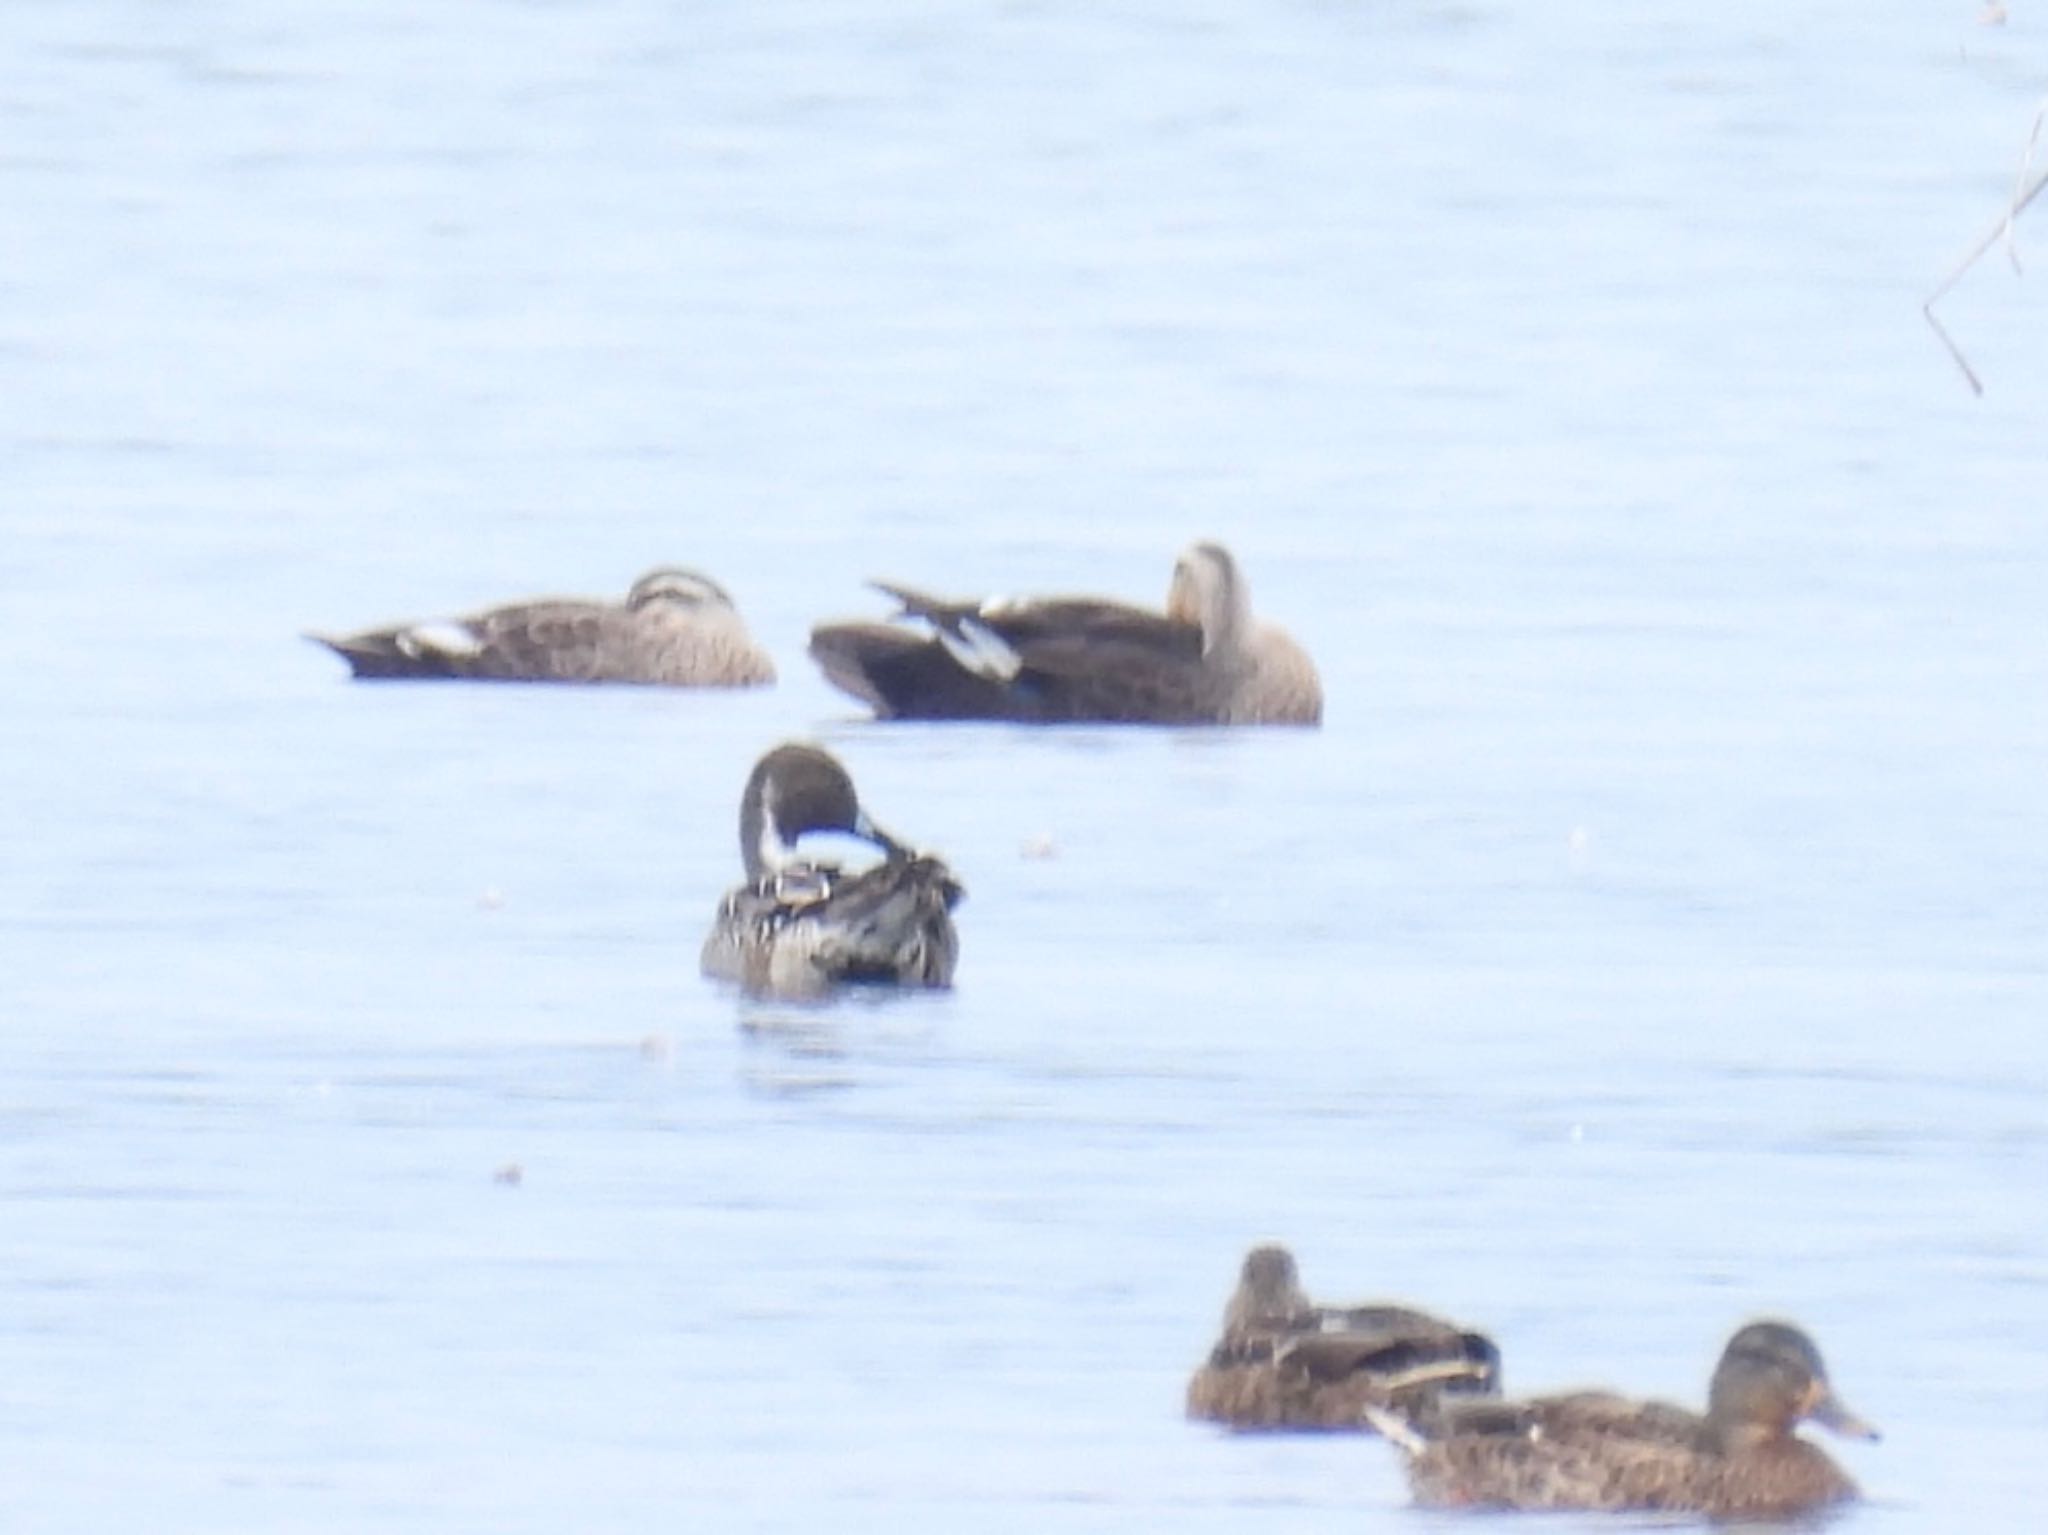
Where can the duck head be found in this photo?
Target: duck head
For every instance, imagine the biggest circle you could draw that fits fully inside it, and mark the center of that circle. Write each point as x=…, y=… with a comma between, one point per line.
x=1268, y=1287
x=672, y=583
x=1769, y=1378
x=1208, y=592
x=797, y=789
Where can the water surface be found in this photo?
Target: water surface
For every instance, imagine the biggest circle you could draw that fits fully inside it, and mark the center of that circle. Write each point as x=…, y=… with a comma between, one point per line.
x=1654, y=936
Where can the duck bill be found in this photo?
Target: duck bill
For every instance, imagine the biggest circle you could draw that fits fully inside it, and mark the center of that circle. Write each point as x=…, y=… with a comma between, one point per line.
x=1828, y=1411
x=863, y=827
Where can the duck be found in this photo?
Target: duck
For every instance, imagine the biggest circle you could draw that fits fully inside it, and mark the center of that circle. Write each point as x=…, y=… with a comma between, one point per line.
x=1285, y=1362
x=1205, y=660
x=676, y=628
x=1597, y=1451
x=799, y=927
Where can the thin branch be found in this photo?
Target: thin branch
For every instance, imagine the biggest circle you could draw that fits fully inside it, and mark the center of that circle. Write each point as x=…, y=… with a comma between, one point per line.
x=2012, y=248
x=2023, y=194
x=1991, y=237
x=1976, y=385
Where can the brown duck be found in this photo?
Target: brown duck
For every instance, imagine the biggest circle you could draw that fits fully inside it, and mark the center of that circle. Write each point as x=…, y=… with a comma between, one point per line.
x=1596, y=1451
x=676, y=628
x=1286, y=1363
x=799, y=927
x=1205, y=660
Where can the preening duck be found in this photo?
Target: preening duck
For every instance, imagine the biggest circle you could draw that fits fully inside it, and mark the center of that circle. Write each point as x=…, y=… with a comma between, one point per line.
x=1285, y=1362
x=799, y=927
x=1204, y=660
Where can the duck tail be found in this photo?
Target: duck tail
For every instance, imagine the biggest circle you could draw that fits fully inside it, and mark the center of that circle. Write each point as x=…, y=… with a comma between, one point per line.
x=864, y=659
x=368, y=655
x=912, y=603
x=901, y=674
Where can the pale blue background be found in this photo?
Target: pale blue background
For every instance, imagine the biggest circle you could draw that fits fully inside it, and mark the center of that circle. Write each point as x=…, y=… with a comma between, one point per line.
x=1655, y=936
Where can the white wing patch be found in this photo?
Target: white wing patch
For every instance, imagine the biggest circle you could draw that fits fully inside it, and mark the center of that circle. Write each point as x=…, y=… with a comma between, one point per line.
x=440, y=637
x=982, y=651
x=835, y=850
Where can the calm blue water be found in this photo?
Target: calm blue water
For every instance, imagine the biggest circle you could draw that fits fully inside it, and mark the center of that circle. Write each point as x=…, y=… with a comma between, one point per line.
x=1656, y=935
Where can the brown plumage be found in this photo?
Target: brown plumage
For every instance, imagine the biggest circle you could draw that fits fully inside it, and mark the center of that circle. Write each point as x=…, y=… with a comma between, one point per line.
x=798, y=928
x=676, y=628
x=1597, y=1451
x=1204, y=660
x=1284, y=1362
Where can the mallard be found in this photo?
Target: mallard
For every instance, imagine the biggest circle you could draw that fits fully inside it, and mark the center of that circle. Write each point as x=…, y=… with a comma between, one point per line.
x=1286, y=1363
x=676, y=627
x=1205, y=660
x=1593, y=1450
x=798, y=927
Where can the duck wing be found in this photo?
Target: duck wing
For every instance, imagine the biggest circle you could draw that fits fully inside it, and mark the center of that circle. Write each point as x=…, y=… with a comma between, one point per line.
x=905, y=676
x=1403, y=1351
x=892, y=924
x=1325, y=1368
x=552, y=640
x=1042, y=660
x=1594, y=1414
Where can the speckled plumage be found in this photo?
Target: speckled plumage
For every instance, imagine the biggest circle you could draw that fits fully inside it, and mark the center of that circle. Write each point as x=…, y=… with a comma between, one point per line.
x=1204, y=660
x=676, y=628
x=798, y=928
x=1284, y=1362
x=1597, y=1451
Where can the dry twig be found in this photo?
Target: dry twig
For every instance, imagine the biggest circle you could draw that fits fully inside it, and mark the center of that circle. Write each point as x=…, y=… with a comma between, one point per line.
x=2023, y=192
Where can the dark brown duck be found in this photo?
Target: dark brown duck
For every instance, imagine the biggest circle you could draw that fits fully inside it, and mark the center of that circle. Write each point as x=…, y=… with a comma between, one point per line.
x=1204, y=660
x=1285, y=1362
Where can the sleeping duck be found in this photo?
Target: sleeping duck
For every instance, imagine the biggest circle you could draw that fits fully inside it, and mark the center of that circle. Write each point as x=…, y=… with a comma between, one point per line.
x=1205, y=660
x=676, y=628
